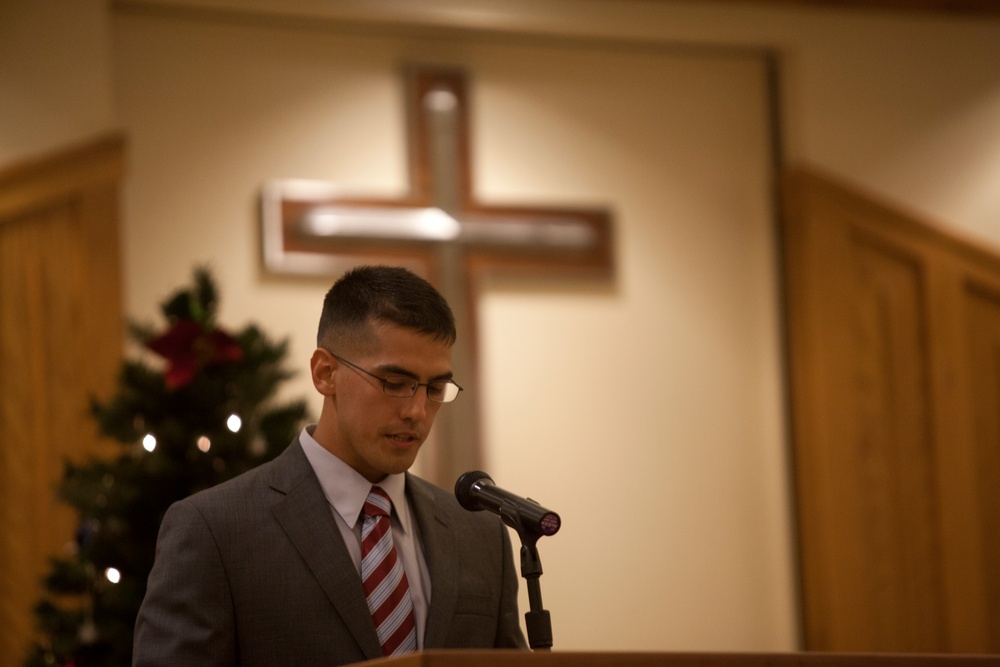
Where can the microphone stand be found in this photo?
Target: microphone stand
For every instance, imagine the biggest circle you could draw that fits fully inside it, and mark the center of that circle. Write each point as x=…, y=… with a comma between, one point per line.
x=537, y=620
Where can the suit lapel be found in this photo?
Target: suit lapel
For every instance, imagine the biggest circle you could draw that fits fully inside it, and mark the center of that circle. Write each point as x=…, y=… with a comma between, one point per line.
x=305, y=515
x=436, y=538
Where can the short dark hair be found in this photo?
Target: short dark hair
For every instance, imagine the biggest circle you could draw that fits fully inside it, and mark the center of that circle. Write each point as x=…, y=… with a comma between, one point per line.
x=367, y=294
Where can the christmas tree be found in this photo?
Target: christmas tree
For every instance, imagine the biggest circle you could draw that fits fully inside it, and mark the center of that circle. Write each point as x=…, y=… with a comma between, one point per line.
x=203, y=416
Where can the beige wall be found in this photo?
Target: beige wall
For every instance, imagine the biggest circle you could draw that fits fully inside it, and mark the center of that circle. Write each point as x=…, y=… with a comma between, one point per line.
x=666, y=386
x=55, y=75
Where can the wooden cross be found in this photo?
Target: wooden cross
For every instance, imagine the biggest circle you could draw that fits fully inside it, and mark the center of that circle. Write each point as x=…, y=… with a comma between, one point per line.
x=440, y=231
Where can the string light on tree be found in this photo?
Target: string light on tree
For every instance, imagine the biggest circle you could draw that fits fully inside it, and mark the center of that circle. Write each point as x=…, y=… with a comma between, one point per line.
x=149, y=442
x=87, y=634
x=234, y=423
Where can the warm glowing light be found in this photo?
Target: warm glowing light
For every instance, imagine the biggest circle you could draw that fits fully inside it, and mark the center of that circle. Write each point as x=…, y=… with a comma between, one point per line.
x=204, y=444
x=422, y=224
x=149, y=442
x=234, y=423
x=113, y=575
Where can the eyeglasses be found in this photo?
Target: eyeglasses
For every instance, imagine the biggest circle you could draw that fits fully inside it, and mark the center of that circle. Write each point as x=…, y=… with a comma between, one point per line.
x=400, y=386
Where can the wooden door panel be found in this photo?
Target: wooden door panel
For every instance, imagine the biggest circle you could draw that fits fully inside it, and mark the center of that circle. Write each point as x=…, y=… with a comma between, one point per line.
x=896, y=581
x=983, y=330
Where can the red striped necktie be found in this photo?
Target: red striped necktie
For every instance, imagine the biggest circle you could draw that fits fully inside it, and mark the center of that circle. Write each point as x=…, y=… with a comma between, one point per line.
x=384, y=580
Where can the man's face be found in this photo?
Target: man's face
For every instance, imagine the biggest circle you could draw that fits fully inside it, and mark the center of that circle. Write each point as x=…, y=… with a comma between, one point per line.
x=374, y=433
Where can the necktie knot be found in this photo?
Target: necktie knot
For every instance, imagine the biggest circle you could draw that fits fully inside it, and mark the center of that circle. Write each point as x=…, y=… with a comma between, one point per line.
x=377, y=503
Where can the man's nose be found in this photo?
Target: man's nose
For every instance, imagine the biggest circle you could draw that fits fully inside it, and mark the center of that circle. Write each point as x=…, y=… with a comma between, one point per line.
x=417, y=406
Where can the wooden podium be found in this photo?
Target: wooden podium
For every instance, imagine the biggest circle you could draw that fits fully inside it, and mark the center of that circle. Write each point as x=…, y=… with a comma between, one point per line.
x=510, y=658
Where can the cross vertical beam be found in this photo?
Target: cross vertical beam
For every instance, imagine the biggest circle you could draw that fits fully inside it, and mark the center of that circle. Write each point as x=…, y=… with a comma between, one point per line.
x=440, y=230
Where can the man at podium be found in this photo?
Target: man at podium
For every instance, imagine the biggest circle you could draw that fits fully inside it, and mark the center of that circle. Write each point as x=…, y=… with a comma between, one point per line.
x=333, y=553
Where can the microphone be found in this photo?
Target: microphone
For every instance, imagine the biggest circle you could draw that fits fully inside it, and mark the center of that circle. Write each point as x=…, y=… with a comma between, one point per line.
x=476, y=491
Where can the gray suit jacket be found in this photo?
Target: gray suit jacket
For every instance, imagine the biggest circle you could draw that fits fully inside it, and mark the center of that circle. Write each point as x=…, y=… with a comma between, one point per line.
x=254, y=572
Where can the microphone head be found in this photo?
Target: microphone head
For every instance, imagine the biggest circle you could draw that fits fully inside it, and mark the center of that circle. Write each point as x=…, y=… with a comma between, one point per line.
x=463, y=489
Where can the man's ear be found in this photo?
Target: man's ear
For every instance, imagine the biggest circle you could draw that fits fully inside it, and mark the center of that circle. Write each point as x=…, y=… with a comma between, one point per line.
x=323, y=367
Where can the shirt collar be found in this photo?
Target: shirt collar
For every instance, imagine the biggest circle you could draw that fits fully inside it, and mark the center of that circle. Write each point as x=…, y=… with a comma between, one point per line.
x=346, y=489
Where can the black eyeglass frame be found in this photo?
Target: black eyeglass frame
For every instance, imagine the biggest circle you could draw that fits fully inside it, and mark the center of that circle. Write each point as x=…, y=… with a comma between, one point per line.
x=414, y=386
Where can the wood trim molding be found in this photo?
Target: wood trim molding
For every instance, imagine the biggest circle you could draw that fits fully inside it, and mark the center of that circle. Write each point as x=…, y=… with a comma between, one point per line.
x=966, y=7
x=38, y=181
x=894, y=216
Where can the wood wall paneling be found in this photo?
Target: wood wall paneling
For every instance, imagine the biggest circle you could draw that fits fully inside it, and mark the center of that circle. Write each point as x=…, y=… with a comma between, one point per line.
x=60, y=344
x=896, y=468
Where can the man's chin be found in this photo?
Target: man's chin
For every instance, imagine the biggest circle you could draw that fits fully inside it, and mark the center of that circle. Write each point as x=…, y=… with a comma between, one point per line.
x=401, y=459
